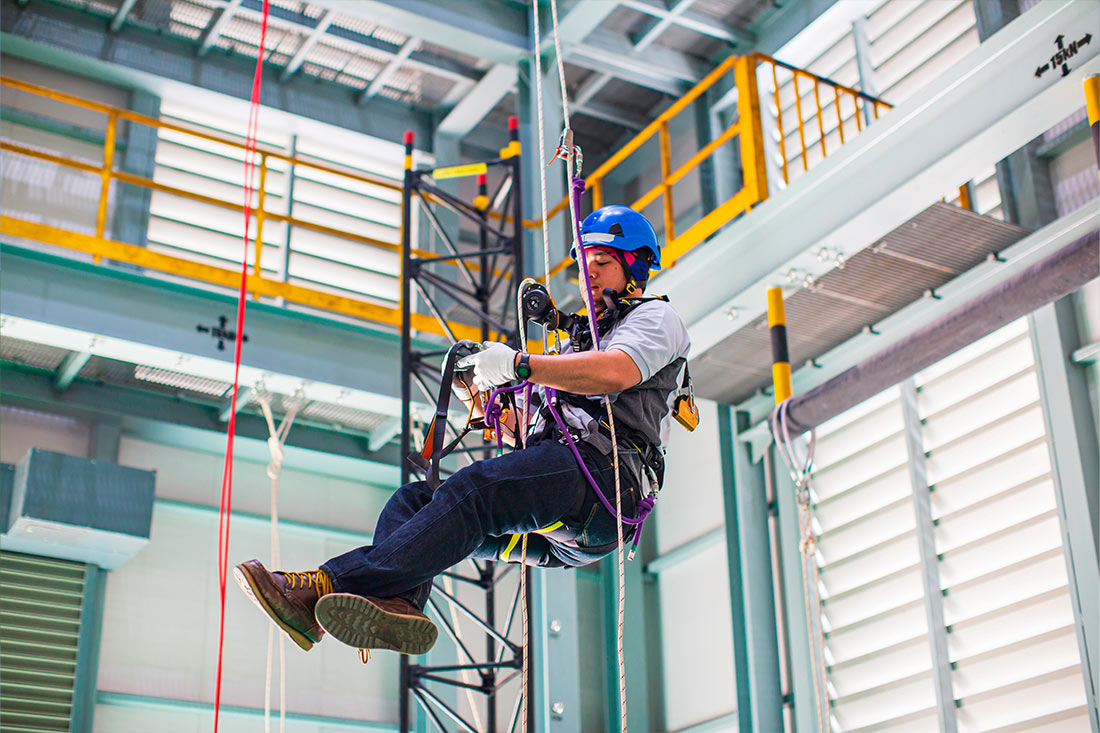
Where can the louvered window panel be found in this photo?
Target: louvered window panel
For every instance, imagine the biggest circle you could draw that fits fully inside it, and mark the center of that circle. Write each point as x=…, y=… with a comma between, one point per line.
x=910, y=44
x=1010, y=627
x=40, y=609
x=1012, y=642
x=876, y=634
x=320, y=257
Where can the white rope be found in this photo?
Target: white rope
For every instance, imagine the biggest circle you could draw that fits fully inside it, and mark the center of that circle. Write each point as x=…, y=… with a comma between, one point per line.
x=542, y=145
x=275, y=443
x=569, y=161
x=526, y=631
x=801, y=472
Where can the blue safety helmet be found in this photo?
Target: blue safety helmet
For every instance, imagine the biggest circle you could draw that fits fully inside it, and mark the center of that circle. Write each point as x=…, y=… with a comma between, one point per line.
x=623, y=228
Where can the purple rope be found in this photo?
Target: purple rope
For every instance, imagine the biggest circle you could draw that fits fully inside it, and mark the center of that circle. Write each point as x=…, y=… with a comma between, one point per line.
x=493, y=412
x=645, y=506
x=578, y=189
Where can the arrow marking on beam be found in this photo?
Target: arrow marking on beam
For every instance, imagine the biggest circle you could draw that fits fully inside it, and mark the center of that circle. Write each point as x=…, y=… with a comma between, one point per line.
x=1063, y=54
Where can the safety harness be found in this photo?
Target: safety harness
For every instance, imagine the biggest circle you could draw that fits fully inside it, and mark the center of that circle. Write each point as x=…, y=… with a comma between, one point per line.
x=539, y=307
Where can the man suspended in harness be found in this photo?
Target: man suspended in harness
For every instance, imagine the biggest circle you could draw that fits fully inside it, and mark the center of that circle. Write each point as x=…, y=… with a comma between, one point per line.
x=373, y=597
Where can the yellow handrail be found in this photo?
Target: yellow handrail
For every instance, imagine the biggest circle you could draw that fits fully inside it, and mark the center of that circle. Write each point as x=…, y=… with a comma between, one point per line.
x=100, y=247
x=225, y=277
x=225, y=139
x=748, y=126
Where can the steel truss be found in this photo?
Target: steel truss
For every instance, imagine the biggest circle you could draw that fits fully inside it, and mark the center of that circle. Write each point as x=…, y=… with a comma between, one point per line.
x=469, y=280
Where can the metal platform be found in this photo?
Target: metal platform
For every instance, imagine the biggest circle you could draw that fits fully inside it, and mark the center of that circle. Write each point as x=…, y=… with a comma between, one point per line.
x=908, y=264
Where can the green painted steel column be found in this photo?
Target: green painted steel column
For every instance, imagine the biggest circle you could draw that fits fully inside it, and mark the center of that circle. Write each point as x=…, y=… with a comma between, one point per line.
x=87, y=655
x=533, y=168
x=752, y=593
x=802, y=630
x=555, y=694
x=1071, y=440
x=131, y=218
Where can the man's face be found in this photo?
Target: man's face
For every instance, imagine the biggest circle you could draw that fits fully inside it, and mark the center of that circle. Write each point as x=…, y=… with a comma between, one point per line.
x=604, y=271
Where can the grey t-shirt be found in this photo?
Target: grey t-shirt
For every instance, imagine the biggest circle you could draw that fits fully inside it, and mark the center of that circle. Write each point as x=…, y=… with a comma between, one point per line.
x=655, y=339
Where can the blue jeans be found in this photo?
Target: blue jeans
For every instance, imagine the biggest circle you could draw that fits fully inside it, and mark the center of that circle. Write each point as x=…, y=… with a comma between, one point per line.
x=421, y=533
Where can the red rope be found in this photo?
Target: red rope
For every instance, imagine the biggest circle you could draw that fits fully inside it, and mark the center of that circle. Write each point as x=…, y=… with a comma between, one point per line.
x=227, y=470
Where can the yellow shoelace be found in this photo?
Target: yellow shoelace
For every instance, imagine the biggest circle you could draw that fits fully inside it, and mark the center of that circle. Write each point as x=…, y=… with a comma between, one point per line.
x=310, y=579
x=318, y=579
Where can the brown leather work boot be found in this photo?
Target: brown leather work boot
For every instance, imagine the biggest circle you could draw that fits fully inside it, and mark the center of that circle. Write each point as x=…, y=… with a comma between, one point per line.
x=288, y=598
x=376, y=623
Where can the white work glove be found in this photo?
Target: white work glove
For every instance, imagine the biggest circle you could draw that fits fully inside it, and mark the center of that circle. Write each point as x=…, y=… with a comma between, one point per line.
x=493, y=366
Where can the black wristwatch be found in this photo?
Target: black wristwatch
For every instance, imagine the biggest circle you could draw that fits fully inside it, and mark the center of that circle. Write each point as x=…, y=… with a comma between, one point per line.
x=523, y=368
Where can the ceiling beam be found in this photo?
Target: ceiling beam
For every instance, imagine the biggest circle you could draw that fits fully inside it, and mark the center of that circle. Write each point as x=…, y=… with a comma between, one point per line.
x=658, y=23
x=659, y=68
x=575, y=22
x=488, y=29
x=168, y=67
x=591, y=87
x=477, y=103
x=382, y=77
x=308, y=43
x=680, y=15
x=216, y=26
x=608, y=113
x=121, y=14
x=69, y=368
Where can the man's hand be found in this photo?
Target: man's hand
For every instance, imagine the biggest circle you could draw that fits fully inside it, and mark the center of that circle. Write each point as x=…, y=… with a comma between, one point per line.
x=493, y=366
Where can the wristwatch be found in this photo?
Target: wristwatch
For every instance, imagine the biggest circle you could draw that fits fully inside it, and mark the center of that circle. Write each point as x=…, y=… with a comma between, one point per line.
x=523, y=368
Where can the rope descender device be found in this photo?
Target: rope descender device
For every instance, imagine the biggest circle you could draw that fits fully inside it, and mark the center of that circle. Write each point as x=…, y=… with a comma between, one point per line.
x=567, y=149
x=538, y=305
x=427, y=459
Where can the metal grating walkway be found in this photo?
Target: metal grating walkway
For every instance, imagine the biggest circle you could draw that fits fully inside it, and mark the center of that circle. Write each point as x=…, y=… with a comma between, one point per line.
x=931, y=249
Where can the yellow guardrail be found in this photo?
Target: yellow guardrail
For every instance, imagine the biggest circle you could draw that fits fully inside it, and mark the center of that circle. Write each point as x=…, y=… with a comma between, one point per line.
x=100, y=247
x=748, y=128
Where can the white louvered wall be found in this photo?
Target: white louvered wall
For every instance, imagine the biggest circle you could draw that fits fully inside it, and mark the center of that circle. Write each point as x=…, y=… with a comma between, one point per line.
x=213, y=234
x=911, y=43
x=1006, y=602
x=1006, y=597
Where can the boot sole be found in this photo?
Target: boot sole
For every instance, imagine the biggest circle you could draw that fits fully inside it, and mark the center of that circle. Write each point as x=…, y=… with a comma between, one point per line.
x=357, y=622
x=252, y=590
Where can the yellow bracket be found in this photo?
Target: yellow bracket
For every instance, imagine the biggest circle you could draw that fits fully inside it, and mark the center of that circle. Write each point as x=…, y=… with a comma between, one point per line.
x=459, y=171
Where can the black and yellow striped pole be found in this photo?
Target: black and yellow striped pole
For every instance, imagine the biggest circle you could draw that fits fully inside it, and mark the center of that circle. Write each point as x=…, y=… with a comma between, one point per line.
x=1092, y=102
x=409, y=137
x=781, y=360
x=513, y=139
x=481, y=201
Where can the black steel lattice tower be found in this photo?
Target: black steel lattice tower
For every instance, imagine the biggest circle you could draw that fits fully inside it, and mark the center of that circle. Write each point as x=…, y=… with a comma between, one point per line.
x=497, y=263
